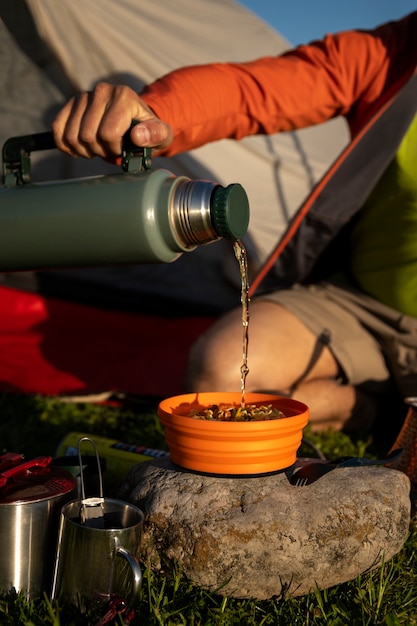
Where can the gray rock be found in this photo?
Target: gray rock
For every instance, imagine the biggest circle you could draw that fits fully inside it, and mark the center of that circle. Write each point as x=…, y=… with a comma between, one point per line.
x=261, y=537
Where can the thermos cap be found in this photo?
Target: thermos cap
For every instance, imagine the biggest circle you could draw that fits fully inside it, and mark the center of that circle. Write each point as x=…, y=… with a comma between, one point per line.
x=230, y=211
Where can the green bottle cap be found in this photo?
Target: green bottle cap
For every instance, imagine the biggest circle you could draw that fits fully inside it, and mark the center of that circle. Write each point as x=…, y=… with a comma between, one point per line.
x=230, y=211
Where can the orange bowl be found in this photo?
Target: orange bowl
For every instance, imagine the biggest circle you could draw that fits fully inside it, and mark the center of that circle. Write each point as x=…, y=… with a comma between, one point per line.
x=219, y=447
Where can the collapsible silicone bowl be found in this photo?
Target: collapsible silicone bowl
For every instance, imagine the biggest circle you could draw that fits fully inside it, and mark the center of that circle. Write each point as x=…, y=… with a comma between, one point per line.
x=219, y=447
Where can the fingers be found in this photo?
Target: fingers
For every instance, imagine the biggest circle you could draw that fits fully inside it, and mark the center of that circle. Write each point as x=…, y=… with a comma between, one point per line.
x=93, y=123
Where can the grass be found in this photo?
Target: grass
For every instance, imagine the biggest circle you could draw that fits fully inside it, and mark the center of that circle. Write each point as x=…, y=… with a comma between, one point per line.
x=35, y=425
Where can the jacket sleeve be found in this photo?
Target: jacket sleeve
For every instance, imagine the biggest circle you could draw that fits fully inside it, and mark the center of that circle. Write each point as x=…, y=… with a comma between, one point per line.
x=344, y=74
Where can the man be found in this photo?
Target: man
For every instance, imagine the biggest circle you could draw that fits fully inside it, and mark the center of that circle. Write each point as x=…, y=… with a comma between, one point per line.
x=343, y=342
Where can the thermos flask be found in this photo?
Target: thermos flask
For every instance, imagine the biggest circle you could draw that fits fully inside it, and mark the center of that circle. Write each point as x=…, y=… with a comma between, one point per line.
x=139, y=215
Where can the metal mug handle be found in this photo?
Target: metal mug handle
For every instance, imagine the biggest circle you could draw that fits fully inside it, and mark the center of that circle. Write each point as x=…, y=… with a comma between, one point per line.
x=136, y=574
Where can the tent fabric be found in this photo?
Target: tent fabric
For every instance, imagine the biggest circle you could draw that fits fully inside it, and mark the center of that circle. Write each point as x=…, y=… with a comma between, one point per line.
x=52, y=50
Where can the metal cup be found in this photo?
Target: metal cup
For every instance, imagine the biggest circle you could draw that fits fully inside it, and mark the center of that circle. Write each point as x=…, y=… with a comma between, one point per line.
x=96, y=563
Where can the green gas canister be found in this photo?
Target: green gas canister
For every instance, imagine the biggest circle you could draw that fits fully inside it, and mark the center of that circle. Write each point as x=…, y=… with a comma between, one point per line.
x=139, y=215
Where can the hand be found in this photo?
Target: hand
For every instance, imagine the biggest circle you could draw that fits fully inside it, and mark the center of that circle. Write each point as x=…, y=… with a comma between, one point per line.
x=93, y=123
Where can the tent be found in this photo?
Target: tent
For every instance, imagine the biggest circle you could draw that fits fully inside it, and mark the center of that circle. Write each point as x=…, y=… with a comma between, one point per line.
x=129, y=328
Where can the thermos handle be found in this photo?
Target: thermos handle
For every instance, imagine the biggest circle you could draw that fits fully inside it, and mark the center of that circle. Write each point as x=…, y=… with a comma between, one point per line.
x=136, y=575
x=28, y=143
x=16, y=156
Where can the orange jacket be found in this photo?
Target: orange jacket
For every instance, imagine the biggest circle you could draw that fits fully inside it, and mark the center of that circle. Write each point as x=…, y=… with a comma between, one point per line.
x=348, y=74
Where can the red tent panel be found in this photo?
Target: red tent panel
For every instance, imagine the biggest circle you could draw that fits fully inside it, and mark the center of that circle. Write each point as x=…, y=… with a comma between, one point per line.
x=51, y=346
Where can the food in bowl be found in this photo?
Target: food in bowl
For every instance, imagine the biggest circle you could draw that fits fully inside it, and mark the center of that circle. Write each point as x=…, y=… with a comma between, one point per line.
x=237, y=413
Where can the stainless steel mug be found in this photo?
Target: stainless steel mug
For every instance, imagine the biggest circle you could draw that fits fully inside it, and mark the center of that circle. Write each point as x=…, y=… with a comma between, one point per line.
x=96, y=560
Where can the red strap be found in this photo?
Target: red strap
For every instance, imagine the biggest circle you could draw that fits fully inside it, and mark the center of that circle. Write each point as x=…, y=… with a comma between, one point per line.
x=117, y=607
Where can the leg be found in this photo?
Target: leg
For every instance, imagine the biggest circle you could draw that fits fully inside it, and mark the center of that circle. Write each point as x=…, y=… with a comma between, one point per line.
x=280, y=347
x=283, y=355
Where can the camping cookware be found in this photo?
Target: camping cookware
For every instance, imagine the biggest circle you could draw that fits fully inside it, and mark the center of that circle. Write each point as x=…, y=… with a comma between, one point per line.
x=31, y=497
x=232, y=447
x=97, y=541
x=135, y=216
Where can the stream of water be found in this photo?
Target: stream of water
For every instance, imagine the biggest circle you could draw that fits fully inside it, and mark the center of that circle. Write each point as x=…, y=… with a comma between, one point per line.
x=241, y=256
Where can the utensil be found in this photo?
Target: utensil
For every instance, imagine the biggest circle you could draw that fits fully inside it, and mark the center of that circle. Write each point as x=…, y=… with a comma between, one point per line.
x=31, y=497
x=232, y=447
x=95, y=559
x=310, y=472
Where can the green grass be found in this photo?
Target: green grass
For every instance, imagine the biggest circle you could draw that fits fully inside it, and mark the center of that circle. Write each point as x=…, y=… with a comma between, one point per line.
x=388, y=595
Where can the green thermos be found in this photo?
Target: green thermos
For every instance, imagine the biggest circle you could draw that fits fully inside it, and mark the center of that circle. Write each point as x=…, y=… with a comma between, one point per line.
x=139, y=215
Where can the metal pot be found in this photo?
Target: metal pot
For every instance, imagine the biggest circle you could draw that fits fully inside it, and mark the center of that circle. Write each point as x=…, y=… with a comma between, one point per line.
x=31, y=497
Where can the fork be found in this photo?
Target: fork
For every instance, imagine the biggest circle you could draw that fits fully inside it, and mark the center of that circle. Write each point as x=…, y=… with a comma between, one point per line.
x=311, y=472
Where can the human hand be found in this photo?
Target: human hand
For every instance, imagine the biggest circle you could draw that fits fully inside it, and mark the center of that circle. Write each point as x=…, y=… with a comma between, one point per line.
x=93, y=123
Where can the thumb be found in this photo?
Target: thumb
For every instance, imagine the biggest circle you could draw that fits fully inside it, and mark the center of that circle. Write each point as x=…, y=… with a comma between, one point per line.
x=152, y=133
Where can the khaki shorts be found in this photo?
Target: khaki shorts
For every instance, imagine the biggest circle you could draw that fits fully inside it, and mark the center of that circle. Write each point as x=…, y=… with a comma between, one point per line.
x=373, y=344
